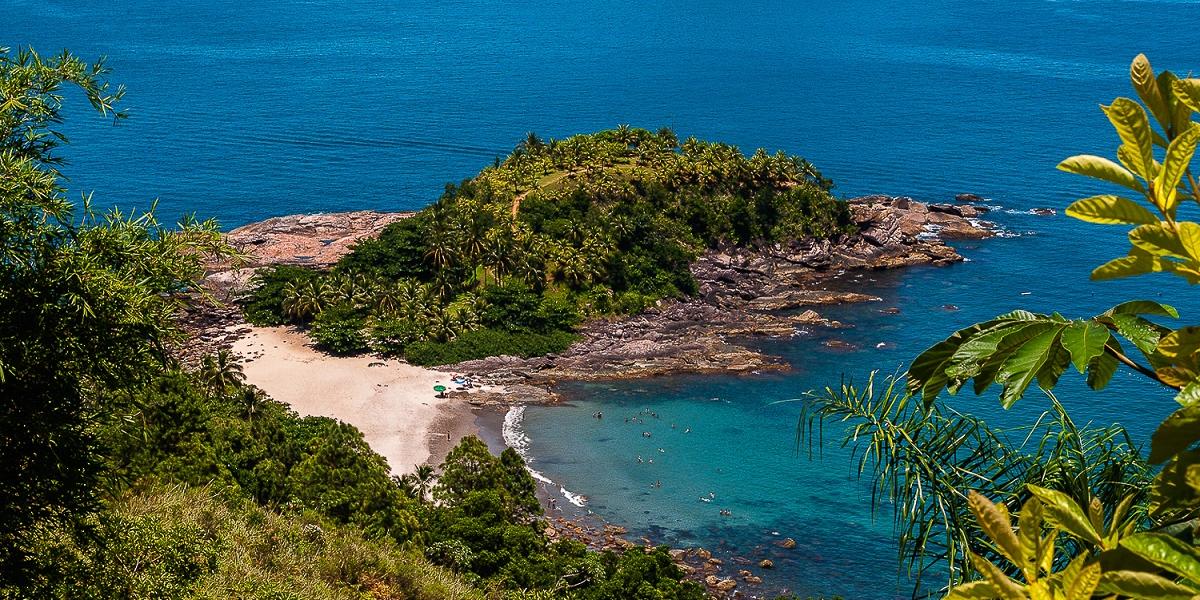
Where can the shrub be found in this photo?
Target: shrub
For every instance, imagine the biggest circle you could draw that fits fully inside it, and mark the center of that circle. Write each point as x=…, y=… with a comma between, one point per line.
x=339, y=330
x=263, y=306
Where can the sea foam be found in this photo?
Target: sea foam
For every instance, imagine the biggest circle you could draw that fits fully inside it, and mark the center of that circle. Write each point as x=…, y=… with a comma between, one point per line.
x=515, y=437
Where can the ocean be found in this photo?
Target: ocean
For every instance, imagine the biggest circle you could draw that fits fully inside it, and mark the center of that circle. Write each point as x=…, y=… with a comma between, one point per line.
x=245, y=110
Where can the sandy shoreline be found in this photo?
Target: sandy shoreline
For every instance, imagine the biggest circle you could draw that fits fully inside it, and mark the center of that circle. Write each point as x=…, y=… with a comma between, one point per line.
x=392, y=402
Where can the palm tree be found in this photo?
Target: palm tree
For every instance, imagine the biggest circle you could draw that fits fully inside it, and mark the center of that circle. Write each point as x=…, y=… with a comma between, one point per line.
x=443, y=327
x=251, y=399
x=302, y=301
x=667, y=138
x=222, y=371
x=423, y=479
x=441, y=250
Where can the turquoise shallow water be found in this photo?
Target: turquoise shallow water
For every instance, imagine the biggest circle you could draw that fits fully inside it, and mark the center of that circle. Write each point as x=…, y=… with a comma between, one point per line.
x=248, y=110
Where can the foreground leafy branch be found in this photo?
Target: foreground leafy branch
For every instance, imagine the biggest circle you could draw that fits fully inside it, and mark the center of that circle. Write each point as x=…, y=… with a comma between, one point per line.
x=922, y=459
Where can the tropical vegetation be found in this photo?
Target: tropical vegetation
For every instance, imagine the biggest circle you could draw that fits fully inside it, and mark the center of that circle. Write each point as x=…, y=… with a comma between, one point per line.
x=125, y=474
x=1061, y=512
x=509, y=261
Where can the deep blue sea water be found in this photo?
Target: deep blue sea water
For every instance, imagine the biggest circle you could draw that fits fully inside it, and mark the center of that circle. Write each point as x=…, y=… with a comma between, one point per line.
x=243, y=110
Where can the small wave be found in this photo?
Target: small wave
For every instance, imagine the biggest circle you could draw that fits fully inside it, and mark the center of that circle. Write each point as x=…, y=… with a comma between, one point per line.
x=515, y=437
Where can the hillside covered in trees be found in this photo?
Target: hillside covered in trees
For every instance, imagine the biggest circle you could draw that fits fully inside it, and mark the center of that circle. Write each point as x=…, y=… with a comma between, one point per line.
x=508, y=262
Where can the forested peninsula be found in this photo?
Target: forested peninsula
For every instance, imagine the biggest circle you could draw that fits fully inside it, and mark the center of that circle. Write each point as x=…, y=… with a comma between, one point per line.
x=137, y=463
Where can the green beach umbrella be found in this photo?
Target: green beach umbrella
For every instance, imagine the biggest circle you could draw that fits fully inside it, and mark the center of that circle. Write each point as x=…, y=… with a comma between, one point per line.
x=439, y=388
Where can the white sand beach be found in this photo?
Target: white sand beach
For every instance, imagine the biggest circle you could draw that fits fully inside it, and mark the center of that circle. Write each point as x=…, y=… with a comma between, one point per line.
x=392, y=402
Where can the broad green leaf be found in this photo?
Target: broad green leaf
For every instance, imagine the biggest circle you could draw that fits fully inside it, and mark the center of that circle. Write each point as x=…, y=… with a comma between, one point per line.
x=1180, y=113
x=1083, y=584
x=1029, y=528
x=1064, y=513
x=1158, y=239
x=1110, y=210
x=1189, y=235
x=1003, y=585
x=1131, y=124
x=1085, y=340
x=996, y=524
x=1020, y=369
x=1103, y=169
x=1127, y=266
x=1187, y=91
x=1176, y=486
x=1146, y=85
x=927, y=373
x=1021, y=315
x=1144, y=307
x=1180, y=343
x=1167, y=553
x=1179, y=156
x=1055, y=365
x=1101, y=371
x=990, y=354
x=1176, y=376
x=1175, y=434
x=975, y=590
x=1144, y=334
x=1190, y=394
x=1136, y=584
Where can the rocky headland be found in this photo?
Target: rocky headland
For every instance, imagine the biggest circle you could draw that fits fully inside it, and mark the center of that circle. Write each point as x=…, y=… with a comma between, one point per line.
x=745, y=292
x=769, y=291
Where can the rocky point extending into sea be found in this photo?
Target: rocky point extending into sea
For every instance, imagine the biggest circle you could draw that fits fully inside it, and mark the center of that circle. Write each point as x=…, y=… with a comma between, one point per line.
x=743, y=292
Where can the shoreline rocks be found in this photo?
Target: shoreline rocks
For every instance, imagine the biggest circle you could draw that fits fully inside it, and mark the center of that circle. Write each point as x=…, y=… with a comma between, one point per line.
x=759, y=292
x=745, y=293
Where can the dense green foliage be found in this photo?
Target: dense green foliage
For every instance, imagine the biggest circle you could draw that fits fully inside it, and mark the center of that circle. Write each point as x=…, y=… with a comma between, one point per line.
x=1105, y=533
x=124, y=475
x=84, y=302
x=559, y=231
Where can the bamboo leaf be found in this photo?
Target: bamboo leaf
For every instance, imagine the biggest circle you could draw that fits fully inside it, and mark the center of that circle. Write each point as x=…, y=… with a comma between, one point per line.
x=1085, y=341
x=1108, y=209
x=1103, y=169
x=1136, y=584
x=1131, y=124
x=1064, y=513
x=1167, y=553
x=1175, y=434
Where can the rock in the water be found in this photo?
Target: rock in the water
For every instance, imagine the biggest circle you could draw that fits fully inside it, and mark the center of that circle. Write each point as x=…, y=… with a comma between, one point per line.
x=767, y=564
x=725, y=585
x=1043, y=212
x=788, y=543
x=968, y=198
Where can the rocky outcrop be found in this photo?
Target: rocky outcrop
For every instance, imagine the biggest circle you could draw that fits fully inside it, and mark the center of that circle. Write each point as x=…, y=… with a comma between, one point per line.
x=308, y=240
x=766, y=291
x=763, y=291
